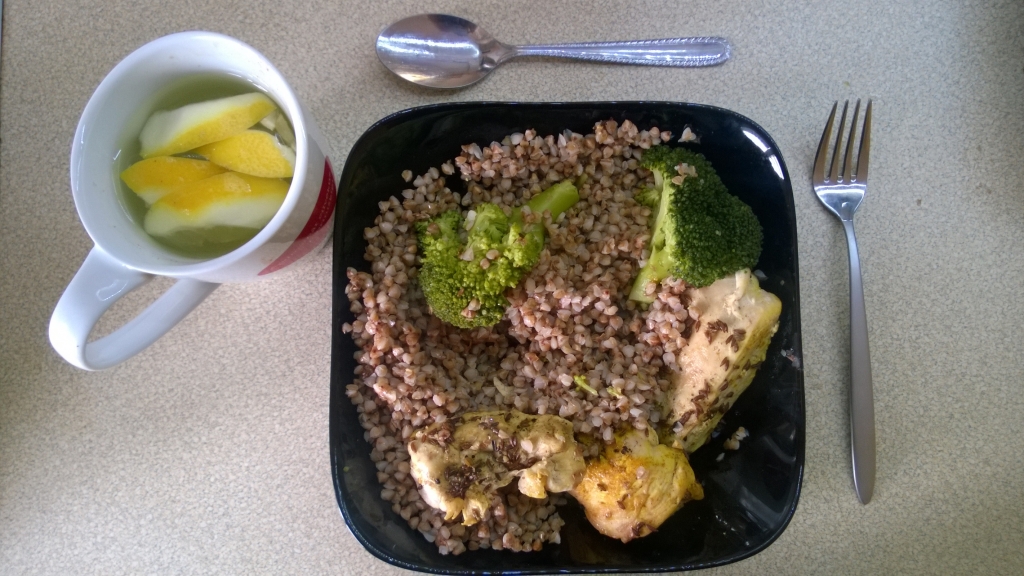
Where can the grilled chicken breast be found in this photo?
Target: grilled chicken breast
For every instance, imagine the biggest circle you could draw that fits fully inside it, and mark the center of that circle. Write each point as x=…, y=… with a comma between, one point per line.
x=460, y=464
x=635, y=485
x=737, y=321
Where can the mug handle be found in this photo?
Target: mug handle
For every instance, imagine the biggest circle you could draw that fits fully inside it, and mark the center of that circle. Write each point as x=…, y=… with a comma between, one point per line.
x=99, y=283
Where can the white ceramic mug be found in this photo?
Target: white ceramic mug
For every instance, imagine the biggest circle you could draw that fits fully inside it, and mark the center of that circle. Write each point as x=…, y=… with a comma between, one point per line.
x=124, y=256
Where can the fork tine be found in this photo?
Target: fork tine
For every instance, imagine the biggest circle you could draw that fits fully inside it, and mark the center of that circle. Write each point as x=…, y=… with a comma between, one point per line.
x=837, y=155
x=865, y=146
x=848, y=162
x=822, y=156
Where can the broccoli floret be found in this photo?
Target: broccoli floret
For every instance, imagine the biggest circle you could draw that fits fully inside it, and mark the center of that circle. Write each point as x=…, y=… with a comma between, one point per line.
x=467, y=263
x=700, y=232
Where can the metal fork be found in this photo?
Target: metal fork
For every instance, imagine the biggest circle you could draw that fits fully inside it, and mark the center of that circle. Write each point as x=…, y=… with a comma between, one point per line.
x=841, y=189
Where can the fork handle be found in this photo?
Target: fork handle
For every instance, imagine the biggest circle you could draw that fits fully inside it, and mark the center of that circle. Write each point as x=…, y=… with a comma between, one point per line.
x=862, y=410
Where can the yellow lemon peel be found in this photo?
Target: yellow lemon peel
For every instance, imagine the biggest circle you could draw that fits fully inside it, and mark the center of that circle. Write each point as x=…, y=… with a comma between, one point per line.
x=252, y=152
x=154, y=177
x=172, y=131
x=228, y=199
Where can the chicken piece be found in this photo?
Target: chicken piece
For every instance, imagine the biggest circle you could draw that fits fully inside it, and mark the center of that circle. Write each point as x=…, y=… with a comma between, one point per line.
x=635, y=485
x=737, y=321
x=460, y=464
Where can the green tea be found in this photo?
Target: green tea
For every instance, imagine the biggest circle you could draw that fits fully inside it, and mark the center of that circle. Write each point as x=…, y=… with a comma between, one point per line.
x=208, y=242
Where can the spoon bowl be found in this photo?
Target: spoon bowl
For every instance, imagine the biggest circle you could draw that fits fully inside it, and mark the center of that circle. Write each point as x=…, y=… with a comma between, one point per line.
x=443, y=51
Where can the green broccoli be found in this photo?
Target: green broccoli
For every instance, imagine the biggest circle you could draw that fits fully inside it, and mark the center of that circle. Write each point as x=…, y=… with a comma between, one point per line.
x=700, y=232
x=468, y=263
x=581, y=383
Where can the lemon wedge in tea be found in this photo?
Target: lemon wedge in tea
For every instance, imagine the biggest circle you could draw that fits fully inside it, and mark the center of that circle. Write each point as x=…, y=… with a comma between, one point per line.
x=277, y=123
x=252, y=152
x=153, y=178
x=172, y=131
x=228, y=200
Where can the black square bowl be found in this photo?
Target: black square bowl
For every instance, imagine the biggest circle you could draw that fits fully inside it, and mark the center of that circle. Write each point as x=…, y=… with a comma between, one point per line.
x=750, y=494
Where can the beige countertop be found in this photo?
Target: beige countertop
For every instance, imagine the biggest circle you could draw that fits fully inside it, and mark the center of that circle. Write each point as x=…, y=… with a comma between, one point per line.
x=208, y=452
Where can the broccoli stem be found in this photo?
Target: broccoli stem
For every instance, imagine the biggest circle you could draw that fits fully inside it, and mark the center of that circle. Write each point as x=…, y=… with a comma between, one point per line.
x=556, y=199
x=581, y=383
x=656, y=270
x=660, y=262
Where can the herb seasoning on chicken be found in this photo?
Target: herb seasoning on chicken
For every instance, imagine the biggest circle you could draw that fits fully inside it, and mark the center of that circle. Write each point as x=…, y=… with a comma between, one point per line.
x=460, y=464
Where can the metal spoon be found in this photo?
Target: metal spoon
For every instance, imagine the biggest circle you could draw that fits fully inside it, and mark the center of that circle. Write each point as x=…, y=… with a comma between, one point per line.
x=442, y=51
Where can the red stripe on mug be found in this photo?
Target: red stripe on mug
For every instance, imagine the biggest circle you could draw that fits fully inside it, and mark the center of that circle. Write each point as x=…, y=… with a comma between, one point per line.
x=316, y=227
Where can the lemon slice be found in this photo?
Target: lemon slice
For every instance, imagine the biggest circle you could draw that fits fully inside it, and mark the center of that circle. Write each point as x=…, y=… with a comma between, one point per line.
x=229, y=199
x=154, y=177
x=277, y=122
x=173, y=131
x=252, y=152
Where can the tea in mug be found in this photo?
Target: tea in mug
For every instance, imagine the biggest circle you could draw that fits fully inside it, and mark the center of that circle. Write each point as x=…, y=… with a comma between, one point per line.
x=210, y=168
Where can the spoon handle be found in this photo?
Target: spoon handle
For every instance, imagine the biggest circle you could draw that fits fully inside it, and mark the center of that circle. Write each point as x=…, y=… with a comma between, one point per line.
x=679, y=52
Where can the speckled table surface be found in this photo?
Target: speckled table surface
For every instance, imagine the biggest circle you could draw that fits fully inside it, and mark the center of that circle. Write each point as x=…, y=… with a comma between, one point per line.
x=208, y=452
